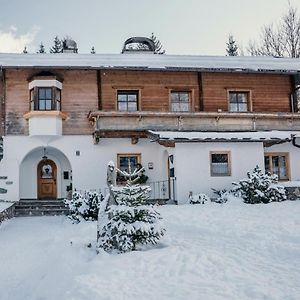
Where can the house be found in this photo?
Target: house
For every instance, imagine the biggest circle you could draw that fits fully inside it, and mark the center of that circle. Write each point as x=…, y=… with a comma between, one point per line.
x=193, y=122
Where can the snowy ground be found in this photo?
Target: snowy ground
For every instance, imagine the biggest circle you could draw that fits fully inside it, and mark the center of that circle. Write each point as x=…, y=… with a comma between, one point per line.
x=5, y=205
x=232, y=251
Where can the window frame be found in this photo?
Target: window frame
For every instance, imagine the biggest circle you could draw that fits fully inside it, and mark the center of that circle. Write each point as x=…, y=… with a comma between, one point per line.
x=287, y=161
x=127, y=93
x=181, y=91
x=248, y=93
x=228, y=153
x=120, y=178
x=34, y=100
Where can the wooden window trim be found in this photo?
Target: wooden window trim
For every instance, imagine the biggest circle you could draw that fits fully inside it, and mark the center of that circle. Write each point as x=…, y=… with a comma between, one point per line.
x=229, y=163
x=35, y=93
x=119, y=155
x=240, y=90
x=287, y=158
x=139, y=95
x=191, y=92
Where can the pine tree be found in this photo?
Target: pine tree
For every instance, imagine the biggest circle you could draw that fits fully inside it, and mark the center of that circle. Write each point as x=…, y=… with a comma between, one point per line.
x=131, y=222
x=232, y=48
x=25, y=50
x=93, y=50
x=260, y=188
x=42, y=48
x=57, y=47
x=158, y=46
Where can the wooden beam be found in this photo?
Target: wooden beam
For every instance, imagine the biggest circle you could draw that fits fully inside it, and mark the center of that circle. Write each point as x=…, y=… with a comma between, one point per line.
x=99, y=89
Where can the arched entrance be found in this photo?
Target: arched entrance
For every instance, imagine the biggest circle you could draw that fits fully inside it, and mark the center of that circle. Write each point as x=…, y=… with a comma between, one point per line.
x=45, y=173
x=47, y=179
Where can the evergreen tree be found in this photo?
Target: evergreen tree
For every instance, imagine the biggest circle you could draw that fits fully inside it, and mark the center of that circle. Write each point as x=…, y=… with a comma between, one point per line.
x=93, y=50
x=42, y=48
x=158, y=46
x=25, y=50
x=232, y=48
x=131, y=222
x=57, y=47
x=260, y=188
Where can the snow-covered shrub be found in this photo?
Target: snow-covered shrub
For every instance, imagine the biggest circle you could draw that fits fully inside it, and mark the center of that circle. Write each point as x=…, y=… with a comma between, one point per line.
x=259, y=187
x=222, y=195
x=84, y=206
x=198, y=199
x=131, y=222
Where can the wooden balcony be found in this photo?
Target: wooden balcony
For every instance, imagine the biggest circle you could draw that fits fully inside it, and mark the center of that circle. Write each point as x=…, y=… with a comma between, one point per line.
x=112, y=121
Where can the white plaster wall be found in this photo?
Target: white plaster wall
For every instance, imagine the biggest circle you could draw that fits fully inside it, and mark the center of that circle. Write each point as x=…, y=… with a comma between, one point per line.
x=88, y=169
x=45, y=125
x=294, y=157
x=192, y=166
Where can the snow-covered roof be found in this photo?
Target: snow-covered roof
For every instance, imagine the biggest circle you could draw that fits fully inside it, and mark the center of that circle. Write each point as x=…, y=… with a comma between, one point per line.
x=152, y=62
x=178, y=136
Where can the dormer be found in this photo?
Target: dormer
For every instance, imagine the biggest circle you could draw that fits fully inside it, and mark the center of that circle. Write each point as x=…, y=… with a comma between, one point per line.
x=45, y=116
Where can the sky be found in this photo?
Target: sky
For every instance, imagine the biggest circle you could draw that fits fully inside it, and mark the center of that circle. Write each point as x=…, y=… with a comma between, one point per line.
x=194, y=27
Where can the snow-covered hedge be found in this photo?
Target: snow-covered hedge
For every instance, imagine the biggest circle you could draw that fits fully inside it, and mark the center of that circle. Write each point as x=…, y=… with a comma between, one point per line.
x=259, y=187
x=198, y=199
x=84, y=206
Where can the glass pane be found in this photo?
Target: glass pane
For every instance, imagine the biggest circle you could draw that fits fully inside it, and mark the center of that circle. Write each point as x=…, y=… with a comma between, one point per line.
x=232, y=97
x=174, y=97
x=242, y=98
x=132, y=106
x=282, y=167
x=122, y=106
x=243, y=107
x=175, y=107
x=219, y=158
x=48, y=93
x=58, y=95
x=233, y=107
x=48, y=104
x=122, y=97
x=42, y=93
x=184, y=97
x=184, y=106
x=267, y=164
x=126, y=160
x=42, y=105
x=219, y=168
x=275, y=165
x=132, y=97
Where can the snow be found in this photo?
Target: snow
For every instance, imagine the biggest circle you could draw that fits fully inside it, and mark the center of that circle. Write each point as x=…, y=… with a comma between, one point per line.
x=231, y=251
x=5, y=205
x=253, y=136
x=153, y=62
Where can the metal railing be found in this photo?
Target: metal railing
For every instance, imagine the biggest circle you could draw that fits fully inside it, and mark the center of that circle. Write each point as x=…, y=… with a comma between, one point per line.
x=160, y=190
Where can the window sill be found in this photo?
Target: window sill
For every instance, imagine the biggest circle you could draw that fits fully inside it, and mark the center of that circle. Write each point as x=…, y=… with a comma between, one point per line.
x=46, y=113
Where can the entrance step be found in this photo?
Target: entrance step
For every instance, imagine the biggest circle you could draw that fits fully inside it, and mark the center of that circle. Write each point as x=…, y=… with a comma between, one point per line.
x=31, y=207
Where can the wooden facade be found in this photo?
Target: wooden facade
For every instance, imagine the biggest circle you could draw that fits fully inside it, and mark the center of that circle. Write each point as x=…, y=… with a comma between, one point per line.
x=86, y=91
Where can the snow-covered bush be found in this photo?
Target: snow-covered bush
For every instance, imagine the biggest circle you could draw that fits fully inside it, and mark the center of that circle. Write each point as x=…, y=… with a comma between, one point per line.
x=222, y=195
x=84, y=206
x=259, y=187
x=131, y=222
x=198, y=198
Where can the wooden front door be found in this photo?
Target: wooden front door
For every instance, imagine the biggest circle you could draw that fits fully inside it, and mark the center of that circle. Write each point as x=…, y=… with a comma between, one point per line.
x=46, y=176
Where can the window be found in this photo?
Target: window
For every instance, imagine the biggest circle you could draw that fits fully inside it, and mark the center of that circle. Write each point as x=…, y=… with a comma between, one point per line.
x=45, y=98
x=238, y=101
x=277, y=163
x=127, y=100
x=180, y=101
x=220, y=164
x=124, y=160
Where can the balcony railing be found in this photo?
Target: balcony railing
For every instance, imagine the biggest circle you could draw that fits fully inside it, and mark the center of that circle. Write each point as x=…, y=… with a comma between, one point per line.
x=197, y=121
